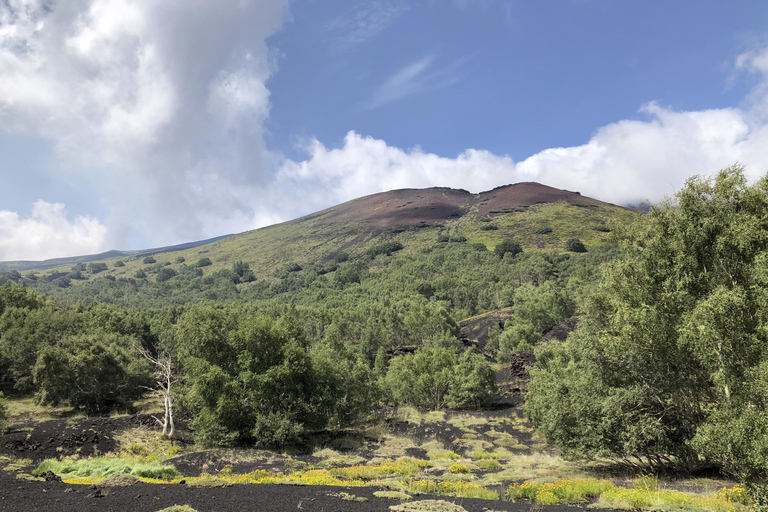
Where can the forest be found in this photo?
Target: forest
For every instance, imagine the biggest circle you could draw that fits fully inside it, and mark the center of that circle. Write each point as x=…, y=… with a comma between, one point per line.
x=667, y=370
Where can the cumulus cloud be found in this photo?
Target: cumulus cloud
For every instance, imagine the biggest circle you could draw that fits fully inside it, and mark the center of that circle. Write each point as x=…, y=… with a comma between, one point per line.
x=161, y=107
x=159, y=104
x=629, y=161
x=47, y=233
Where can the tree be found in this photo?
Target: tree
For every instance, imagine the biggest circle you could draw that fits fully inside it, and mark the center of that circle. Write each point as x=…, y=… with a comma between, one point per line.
x=203, y=262
x=670, y=360
x=95, y=371
x=149, y=260
x=166, y=376
x=250, y=378
x=508, y=246
x=96, y=267
x=575, y=245
x=440, y=374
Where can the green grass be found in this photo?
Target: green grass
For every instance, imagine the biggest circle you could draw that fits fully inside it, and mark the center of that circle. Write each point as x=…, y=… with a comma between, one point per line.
x=105, y=467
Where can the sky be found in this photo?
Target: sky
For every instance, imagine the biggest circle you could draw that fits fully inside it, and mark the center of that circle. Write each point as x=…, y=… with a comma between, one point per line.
x=129, y=124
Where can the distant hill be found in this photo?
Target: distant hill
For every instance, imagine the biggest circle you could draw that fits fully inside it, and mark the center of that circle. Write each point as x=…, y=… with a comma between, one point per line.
x=21, y=266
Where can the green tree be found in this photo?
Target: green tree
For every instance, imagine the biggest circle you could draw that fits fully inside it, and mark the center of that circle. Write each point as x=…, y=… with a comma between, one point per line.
x=670, y=358
x=96, y=371
x=508, y=246
x=575, y=245
x=251, y=378
x=96, y=267
x=440, y=374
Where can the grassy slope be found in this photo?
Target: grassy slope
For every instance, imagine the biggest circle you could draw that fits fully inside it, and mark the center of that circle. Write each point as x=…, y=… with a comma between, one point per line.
x=310, y=240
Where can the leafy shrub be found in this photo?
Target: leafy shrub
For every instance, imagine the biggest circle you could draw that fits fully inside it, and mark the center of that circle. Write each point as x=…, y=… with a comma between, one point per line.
x=119, y=263
x=78, y=267
x=458, y=469
x=543, y=230
x=180, y=259
x=149, y=260
x=96, y=267
x=489, y=464
x=165, y=274
x=457, y=239
x=96, y=371
x=140, y=274
x=489, y=227
x=443, y=238
x=575, y=245
x=204, y=262
x=508, y=246
x=384, y=248
x=439, y=375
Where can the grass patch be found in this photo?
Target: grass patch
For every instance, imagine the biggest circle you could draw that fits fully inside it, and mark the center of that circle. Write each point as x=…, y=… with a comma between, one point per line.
x=392, y=495
x=29, y=478
x=458, y=469
x=341, y=460
x=142, y=442
x=122, y=480
x=445, y=456
x=209, y=481
x=465, y=421
x=428, y=506
x=646, y=495
x=460, y=489
x=395, y=447
x=348, y=497
x=103, y=467
x=489, y=464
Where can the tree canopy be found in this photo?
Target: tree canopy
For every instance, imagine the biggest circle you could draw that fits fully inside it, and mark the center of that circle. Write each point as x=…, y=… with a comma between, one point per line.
x=670, y=360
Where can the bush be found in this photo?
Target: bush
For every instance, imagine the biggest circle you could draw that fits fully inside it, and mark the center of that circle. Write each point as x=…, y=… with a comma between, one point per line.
x=140, y=274
x=508, y=247
x=457, y=469
x=203, y=262
x=165, y=274
x=96, y=371
x=575, y=245
x=96, y=267
x=180, y=259
x=385, y=248
x=119, y=263
x=439, y=375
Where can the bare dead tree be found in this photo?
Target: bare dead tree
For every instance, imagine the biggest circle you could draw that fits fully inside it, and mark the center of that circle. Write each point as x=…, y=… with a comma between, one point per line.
x=166, y=376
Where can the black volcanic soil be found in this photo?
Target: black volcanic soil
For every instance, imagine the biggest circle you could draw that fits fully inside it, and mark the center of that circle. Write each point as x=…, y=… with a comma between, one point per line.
x=22, y=496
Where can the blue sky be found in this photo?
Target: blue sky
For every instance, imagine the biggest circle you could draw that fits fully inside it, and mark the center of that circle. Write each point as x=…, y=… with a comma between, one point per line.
x=129, y=123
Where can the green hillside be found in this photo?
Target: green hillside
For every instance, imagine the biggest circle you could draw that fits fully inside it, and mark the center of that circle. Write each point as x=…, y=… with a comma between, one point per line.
x=539, y=218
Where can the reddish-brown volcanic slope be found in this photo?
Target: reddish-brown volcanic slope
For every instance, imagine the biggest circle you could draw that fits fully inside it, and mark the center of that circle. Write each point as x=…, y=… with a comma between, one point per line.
x=435, y=206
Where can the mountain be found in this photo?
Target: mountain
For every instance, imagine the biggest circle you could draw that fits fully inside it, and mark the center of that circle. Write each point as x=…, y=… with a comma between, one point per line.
x=406, y=222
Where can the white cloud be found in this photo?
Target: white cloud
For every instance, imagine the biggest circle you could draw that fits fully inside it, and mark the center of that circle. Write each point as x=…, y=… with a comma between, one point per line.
x=624, y=162
x=48, y=234
x=415, y=78
x=159, y=105
x=364, y=22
